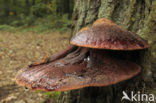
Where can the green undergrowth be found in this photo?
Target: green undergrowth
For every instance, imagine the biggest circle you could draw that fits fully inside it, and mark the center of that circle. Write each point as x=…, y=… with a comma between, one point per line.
x=52, y=94
x=50, y=23
x=52, y=97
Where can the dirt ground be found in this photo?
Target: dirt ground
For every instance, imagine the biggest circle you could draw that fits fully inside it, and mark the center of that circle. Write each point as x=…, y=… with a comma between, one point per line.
x=17, y=51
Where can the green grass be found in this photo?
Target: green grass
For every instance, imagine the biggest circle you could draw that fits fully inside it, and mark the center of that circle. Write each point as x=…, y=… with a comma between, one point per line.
x=7, y=28
x=53, y=95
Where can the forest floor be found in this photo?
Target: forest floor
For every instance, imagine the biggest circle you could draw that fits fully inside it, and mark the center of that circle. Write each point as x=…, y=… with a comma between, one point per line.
x=17, y=50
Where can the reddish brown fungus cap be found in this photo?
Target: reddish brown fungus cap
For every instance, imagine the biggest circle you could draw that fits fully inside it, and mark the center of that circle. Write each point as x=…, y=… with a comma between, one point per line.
x=56, y=76
x=106, y=35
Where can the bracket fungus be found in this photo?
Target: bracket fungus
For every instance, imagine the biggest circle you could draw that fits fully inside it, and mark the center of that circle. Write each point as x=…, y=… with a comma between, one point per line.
x=104, y=34
x=85, y=62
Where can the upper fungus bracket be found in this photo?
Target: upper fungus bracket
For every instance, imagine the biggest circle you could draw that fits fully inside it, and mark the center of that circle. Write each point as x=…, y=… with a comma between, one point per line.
x=104, y=34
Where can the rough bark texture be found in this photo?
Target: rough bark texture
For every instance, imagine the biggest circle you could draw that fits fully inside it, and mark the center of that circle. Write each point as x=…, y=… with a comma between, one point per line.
x=138, y=16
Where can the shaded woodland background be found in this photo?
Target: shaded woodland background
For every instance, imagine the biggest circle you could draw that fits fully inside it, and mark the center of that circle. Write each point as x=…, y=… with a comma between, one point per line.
x=30, y=30
x=35, y=15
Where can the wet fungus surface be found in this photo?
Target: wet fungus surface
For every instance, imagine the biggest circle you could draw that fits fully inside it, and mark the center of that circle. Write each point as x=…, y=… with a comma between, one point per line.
x=108, y=36
x=72, y=73
x=86, y=62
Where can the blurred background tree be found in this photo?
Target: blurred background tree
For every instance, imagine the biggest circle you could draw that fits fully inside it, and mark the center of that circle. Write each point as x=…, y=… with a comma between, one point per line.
x=32, y=13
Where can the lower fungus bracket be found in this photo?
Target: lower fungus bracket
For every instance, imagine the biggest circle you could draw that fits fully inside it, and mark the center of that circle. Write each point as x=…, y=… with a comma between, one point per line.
x=75, y=74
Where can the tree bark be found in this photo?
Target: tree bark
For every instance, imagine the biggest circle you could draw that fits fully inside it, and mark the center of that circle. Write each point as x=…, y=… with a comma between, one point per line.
x=138, y=16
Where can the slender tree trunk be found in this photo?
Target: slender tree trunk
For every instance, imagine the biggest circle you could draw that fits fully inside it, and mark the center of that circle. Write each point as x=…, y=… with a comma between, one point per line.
x=138, y=16
x=6, y=8
x=63, y=7
x=15, y=4
x=66, y=6
x=46, y=1
x=71, y=4
x=33, y=2
x=59, y=7
x=27, y=6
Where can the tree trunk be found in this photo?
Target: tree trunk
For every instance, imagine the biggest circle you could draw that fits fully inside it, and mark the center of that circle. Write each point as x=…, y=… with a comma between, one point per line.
x=63, y=7
x=27, y=7
x=15, y=4
x=66, y=5
x=138, y=16
x=71, y=5
x=6, y=8
x=33, y=2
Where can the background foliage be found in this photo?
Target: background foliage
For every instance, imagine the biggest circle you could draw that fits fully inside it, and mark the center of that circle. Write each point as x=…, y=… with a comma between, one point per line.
x=35, y=15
